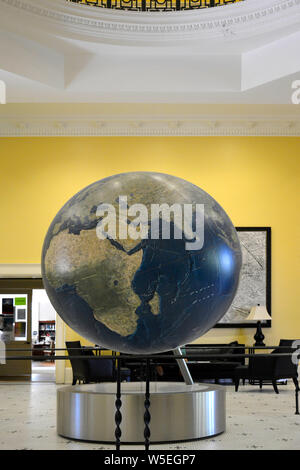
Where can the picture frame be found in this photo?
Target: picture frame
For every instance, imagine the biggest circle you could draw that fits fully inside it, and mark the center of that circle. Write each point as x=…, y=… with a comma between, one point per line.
x=255, y=278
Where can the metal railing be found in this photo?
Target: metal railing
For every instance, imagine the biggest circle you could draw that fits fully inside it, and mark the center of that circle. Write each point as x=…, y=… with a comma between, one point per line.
x=194, y=353
x=155, y=5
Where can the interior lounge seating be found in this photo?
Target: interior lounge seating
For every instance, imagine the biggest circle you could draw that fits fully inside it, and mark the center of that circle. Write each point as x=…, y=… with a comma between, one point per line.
x=213, y=366
x=166, y=369
x=162, y=369
x=270, y=368
x=91, y=370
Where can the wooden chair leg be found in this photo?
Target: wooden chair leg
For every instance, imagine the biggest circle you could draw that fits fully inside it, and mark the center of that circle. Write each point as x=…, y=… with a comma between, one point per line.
x=275, y=386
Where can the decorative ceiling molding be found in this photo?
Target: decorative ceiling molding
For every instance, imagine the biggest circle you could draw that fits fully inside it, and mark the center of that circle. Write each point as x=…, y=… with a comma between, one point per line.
x=243, y=18
x=172, y=125
x=15, y=270
x=156, y=5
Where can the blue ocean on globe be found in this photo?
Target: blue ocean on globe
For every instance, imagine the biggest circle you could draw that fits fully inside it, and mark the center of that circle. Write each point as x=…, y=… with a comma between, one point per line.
x=145, y=295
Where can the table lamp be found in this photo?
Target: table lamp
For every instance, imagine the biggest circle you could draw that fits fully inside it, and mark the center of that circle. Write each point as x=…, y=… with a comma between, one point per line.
x=258, y=313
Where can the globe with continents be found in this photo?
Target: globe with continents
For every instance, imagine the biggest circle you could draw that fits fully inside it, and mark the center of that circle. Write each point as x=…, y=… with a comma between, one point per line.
x=141, y=262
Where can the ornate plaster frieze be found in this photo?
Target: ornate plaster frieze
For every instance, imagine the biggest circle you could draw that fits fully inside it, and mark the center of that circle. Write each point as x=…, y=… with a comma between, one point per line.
x=149, y=126
x=248, y=17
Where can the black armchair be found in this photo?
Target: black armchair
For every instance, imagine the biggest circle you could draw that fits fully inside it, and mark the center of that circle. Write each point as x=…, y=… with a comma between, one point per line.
x=270, y=368
x=89, y=370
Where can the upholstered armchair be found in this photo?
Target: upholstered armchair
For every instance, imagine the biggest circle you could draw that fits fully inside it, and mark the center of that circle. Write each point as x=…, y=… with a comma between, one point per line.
x=91, y=370
x=270, y=368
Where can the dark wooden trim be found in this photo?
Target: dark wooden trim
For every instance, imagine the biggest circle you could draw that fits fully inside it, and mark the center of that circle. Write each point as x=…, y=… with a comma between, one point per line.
x=21, y=283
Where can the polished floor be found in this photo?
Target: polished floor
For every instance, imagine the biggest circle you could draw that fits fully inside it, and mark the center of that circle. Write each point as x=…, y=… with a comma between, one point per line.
x=43, y=372
x=255, y=420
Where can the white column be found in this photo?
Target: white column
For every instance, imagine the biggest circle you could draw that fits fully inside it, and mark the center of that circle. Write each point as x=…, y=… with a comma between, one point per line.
x=60, y=365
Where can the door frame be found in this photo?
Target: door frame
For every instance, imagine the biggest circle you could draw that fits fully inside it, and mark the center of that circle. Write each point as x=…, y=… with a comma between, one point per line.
x=28, y=275
x=18, y=368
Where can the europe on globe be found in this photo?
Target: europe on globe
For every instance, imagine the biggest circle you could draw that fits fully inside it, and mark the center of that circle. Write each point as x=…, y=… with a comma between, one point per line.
x=141, y=262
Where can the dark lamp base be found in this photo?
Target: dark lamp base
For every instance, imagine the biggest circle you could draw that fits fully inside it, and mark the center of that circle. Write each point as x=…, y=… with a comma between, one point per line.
x=259, y=337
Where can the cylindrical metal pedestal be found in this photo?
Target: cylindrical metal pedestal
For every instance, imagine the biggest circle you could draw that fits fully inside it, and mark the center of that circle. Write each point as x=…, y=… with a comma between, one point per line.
x=178, y=412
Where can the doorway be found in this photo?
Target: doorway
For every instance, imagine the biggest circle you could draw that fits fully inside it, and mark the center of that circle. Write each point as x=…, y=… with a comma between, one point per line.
x=43, y=337
x=27, y=322
x=15, y=331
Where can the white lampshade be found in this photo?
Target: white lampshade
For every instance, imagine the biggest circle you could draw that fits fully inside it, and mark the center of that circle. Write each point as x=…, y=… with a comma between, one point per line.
x=258, y=313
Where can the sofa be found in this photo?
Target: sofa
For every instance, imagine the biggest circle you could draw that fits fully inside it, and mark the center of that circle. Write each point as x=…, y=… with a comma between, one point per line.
x=213, y=366
x=208, y=368
x=270, y=368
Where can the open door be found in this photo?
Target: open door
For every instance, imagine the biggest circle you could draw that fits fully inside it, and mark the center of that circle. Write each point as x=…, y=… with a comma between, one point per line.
x=15, y=330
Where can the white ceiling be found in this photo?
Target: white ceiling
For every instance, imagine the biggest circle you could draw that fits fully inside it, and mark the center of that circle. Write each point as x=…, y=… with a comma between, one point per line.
x=52, y=51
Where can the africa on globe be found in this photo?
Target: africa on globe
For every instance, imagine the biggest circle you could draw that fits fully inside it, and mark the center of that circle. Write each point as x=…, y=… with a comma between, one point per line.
x=141, y=262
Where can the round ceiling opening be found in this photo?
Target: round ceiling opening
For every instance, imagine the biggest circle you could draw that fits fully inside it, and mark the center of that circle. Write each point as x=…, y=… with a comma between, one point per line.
x=155, y=5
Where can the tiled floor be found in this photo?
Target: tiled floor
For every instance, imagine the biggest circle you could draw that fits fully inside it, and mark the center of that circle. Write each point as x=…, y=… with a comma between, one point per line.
x=255, y=420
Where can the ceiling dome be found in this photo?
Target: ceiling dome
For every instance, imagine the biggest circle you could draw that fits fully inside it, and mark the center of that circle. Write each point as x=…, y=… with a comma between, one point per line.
x=61, y=51
x=155, y=5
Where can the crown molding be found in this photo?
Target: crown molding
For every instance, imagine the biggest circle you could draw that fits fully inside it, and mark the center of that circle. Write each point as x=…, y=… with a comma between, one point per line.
x=18, y=270
x=139, y=125
x=240, y=19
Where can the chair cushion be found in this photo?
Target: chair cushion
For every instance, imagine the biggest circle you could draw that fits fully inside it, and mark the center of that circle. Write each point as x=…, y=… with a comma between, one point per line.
x=230, y=349
x=102, y=368
x=125, y=373
x=242, y=372
x=210, y=353
x=286, y=342
x=214, y=353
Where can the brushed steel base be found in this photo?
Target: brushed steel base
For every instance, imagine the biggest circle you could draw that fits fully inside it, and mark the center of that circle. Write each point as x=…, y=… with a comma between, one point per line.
x=179, y=412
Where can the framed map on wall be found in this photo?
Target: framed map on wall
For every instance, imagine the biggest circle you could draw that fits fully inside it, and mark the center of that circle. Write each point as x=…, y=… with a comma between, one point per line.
x=255, y=279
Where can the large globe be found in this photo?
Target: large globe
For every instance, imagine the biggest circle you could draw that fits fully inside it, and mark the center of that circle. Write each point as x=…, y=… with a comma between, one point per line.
x=128, y=287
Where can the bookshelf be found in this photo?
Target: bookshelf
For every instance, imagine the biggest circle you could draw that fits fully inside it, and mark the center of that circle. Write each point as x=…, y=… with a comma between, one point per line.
x=47, y=327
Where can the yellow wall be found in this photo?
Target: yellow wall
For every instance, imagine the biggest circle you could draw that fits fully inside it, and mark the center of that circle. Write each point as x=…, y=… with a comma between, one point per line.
x=255, y=179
